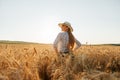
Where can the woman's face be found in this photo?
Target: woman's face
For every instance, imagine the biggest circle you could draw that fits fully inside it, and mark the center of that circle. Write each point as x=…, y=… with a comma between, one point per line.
x=64, y=28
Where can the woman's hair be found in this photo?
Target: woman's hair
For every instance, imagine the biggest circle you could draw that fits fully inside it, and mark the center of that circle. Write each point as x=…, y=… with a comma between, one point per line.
x=71, y=39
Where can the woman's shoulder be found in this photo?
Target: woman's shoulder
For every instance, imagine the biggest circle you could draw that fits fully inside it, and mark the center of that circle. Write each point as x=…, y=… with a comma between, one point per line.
x=62, y=32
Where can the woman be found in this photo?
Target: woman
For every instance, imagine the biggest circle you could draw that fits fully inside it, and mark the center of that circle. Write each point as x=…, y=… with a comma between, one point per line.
x=65, y=43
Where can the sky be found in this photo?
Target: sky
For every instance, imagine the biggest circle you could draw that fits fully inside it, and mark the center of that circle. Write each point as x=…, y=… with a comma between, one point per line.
x=93, y=21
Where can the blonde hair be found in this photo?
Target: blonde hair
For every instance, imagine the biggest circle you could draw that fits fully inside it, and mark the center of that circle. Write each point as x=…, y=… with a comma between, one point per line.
x=71, y=39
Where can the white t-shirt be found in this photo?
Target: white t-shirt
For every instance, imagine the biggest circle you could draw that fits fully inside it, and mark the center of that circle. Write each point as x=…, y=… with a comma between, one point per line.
x=62, y=41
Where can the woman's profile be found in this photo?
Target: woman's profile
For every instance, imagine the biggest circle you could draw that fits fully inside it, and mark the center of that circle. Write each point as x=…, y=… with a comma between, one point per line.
x=65, y=44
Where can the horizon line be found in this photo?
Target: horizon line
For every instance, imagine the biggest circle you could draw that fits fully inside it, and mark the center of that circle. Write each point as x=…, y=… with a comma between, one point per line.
x=52, y=43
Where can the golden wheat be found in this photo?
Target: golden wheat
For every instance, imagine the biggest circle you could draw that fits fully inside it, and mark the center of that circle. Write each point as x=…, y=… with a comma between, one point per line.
x=39, y=62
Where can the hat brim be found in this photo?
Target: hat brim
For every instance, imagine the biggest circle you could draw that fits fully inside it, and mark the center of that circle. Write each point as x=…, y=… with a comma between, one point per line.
x=61, y=24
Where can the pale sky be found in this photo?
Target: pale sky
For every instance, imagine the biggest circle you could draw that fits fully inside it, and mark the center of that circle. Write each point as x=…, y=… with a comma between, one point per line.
x=93, y=21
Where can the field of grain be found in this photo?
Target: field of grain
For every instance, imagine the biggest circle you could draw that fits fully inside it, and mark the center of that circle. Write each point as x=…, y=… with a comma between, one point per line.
x=39, y=62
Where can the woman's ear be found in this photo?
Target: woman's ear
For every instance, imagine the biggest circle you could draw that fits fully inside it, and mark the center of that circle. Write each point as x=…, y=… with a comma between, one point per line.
x=68, y=29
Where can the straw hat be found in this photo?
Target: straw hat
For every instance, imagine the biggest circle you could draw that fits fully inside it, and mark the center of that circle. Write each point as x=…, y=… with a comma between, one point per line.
x=67, y=24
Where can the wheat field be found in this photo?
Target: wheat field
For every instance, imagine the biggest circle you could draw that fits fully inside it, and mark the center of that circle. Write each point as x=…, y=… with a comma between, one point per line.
x=39, y=62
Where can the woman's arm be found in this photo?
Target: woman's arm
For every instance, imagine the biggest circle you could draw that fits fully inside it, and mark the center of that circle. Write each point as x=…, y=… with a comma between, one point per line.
x=78, y=44
x=56, y=43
